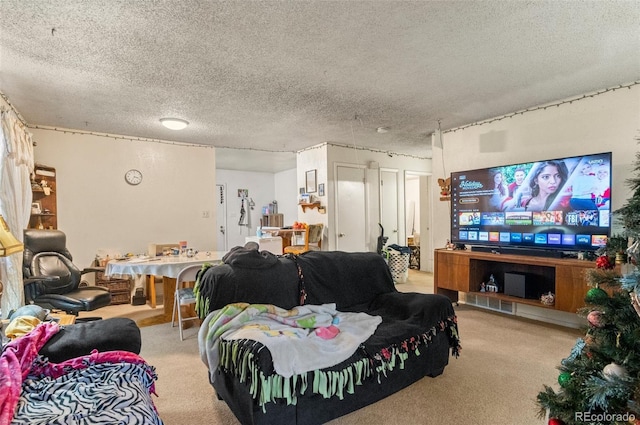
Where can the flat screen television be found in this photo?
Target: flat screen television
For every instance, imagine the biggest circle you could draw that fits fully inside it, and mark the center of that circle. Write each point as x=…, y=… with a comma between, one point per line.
x=553, y=206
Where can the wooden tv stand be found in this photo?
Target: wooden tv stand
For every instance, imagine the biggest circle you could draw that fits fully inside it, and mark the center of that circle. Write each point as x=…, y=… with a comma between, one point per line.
x=464, y=271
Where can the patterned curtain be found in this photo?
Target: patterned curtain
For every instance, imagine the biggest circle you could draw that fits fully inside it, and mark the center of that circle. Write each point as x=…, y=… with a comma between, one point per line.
x=16, y=166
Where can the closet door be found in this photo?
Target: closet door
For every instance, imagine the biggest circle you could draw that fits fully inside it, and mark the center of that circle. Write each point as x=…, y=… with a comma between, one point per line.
x=389, y=204
x=351, y=214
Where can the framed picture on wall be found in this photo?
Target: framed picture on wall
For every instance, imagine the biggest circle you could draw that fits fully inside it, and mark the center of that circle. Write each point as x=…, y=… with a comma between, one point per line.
x=321, y=189
x=36, y=207
x=310, y=181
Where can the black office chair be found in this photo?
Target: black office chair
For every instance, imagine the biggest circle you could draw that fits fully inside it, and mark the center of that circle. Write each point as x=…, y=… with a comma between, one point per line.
x=51, y=280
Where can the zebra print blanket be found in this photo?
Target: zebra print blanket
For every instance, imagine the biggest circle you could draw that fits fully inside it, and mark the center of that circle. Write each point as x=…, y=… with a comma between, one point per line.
x=112, y=387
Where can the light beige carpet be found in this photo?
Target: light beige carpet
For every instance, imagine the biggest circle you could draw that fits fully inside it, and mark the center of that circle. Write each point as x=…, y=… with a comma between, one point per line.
x=505, y=362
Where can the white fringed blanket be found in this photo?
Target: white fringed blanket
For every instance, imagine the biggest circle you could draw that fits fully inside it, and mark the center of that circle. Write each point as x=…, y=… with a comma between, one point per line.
x=300, y=340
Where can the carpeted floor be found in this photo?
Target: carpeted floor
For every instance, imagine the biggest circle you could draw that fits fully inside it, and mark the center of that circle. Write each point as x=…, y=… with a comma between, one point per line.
x=505, y=361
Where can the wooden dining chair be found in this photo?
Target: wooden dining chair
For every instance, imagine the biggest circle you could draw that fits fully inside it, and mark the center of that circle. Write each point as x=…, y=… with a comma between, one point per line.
x=184, y=296
x=312, y=241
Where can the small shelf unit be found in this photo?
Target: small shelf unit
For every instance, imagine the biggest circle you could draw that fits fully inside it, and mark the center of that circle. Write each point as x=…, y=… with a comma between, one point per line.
x=306, y=205
x=45, y=199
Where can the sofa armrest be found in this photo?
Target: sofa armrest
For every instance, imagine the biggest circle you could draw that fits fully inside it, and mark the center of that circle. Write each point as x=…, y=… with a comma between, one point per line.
x=412, y=316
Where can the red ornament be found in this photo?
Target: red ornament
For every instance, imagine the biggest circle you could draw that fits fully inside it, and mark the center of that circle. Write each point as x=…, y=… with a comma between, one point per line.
x=555, y=421
x=603, y=262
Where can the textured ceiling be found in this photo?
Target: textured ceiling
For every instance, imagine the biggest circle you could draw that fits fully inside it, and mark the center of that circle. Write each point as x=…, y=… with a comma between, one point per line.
x=282, y=76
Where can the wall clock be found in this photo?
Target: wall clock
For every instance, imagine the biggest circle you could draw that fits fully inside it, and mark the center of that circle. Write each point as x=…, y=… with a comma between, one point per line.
x=133, y=177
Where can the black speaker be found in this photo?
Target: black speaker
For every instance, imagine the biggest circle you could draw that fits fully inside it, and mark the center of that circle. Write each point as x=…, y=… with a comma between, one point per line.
x=519, y=285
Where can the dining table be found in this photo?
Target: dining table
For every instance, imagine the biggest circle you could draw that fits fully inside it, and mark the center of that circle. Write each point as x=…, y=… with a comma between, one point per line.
x=167, y=266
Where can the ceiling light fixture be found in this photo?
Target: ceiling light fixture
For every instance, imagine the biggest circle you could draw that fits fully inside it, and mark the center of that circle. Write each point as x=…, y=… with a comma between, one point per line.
x=382, y=130
x=174, y=123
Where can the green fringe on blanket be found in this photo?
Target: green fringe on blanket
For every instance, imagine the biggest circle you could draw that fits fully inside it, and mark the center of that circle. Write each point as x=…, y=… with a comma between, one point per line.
x=202, y=302
x=238, y=358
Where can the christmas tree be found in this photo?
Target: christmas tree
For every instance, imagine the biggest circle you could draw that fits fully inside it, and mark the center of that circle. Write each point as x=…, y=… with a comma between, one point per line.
x=599, y=382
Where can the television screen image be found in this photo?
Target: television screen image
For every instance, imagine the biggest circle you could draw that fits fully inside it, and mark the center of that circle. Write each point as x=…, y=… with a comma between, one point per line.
x=560, y=204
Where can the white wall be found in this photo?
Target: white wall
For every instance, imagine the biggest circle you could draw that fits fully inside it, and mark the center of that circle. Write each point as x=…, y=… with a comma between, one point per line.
x=412, y=201
x=262, y=189
x=98, y=210
x=426, y=248
x=324, y=157
x=314, y=158
x=417, y=194
x=602, y=123
x=606, y=122
x=286, y=189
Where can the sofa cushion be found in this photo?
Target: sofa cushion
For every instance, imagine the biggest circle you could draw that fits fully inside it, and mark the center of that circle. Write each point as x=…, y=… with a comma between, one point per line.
x=248, y=276
x=351, y=280
x=247, y=257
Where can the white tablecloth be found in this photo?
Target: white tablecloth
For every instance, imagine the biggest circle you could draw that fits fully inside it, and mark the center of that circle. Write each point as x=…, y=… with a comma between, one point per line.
x=168, y=266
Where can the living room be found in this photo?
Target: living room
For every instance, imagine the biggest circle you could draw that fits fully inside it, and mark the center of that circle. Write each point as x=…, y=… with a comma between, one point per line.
x=91, y=163
x=604, y=122
x=597, y=122
x=177, y=200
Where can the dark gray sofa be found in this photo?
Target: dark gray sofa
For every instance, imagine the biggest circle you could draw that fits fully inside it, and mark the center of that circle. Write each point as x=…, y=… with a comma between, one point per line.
x=417, y=335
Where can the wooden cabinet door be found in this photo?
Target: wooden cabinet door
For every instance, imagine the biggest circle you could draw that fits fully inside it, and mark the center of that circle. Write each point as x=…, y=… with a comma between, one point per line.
x=571, y=287
x=451, y=271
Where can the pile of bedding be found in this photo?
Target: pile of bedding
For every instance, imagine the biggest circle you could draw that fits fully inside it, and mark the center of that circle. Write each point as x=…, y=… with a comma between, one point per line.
x=103, y=388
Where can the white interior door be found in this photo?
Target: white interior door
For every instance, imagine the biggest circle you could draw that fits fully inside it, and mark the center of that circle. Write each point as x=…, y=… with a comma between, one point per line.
x=221, y=217
x=351, y=214
x=417, y=194
x=389, y=205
